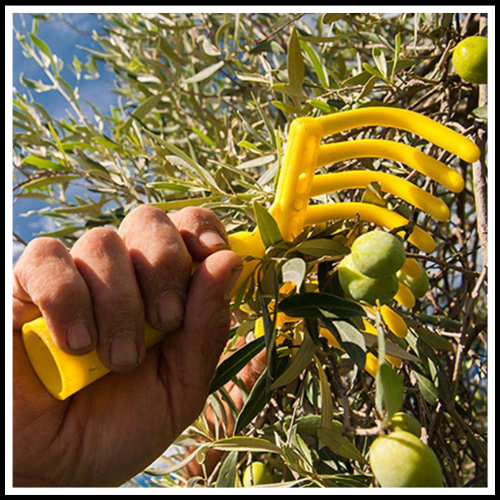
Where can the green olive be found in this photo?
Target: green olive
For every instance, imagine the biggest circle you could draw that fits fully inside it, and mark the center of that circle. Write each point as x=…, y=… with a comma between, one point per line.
x=401, y=460
x=378, y=254
x=360, y=287
x=403, y=422
x=470, y=59
x=257, y=473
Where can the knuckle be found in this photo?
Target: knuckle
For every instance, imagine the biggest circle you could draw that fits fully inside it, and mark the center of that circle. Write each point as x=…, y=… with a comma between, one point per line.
x=200, y=216
x=149, y=212
x=102, y=238
x=44, y=247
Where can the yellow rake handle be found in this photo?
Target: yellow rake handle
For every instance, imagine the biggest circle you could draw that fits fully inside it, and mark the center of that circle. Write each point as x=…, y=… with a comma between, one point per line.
x=64, y=375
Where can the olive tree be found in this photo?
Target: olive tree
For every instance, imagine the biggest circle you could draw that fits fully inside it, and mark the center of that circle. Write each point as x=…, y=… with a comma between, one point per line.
x=205, y=102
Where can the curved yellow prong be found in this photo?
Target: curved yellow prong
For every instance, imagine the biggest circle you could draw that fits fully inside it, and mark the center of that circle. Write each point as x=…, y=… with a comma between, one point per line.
x=379, y=148
x=394, y=322
x=360, y=179
x=412, y=268
x=405, y=297
x=410, y=121
x=371, y=364
x=371, y=213
x=392, y=319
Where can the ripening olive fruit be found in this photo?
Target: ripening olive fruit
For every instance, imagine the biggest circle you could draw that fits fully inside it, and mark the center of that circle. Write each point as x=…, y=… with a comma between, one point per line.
x=401, y=460
x=418, y=286
x=360, y=287
x=257, y=473
x=403, y=422
x=378, y=254
x=470, y=59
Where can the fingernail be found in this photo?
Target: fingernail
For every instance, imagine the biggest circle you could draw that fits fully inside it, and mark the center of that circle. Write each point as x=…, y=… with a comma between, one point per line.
x=171, y=308
x=233, y=277
x=79, y=337
x=123, y=351
x=211, y=238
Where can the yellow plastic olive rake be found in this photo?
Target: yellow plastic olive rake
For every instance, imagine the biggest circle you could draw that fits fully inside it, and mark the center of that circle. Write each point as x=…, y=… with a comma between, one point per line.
x=64, y=374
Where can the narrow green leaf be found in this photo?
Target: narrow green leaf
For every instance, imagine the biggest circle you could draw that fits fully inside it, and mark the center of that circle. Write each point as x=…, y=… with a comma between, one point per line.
x=42, y=46
x=321, y=105
x=390, y=348
x=283, y=88
x=286, y=108
x=380, y=61
x=42, y=163
x=178, y=204
x=227, y=473
x=252, y=77
x=321, y=247
x=268, y=227
x=250, y=146
x=397, y=52
x=351, y=340
x=368, y=87
x=389, y=390
x=427, y=388
x=47, y=181
x=319, y=68
x=433, y=339
x=326, y=398
x=440, y=321
x=295, y=63
x=373, y=71
x=333, y=18
x=204, y=137
x=146, y=106
x=107, y=143
x=232, y=365
x=255, y=403
x=169, y=186
x=205, y=73
x=339, y=444
x=310, y=304
x=298, y=364
x=245, y=444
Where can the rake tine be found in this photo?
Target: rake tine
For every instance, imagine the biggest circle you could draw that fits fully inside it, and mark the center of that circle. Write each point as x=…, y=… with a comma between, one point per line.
x=403, y=119
x=391, y=150
x=370, y=213
x=360, y=179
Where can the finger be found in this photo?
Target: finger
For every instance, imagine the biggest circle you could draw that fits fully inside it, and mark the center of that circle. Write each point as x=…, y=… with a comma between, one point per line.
x=191, y=355
x=23, y=310
x=201, y=230
x=47, y=280
x=162, y=265
x=103, y=260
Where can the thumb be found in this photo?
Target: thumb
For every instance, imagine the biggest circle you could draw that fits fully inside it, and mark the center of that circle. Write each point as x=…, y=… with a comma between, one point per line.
x=191, y=354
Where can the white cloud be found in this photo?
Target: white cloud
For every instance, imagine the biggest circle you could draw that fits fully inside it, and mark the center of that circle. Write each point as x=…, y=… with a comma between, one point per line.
x=43, y=225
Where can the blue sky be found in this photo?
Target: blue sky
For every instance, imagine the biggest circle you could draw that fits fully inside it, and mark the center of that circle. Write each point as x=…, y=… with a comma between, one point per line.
x=64, y=41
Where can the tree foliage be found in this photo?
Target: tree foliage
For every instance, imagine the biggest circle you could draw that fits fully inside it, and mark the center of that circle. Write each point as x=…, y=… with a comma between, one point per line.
x=205, y=102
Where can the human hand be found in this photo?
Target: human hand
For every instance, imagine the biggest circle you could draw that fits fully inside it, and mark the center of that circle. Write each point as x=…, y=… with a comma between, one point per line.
x=99, y=295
